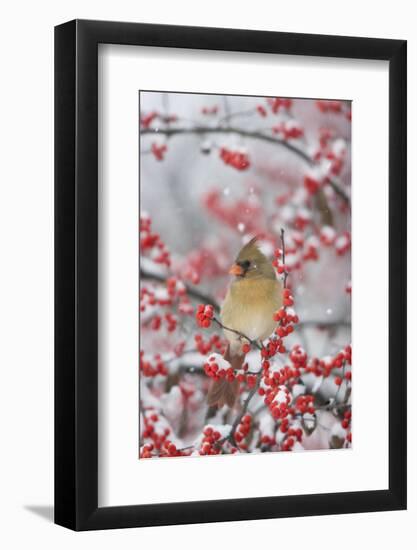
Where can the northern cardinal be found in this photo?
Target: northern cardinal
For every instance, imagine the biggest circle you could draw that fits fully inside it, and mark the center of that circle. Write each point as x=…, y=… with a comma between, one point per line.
x=253, y=297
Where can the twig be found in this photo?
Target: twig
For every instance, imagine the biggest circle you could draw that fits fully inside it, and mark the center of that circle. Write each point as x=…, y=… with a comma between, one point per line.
x=230, y=436
x=340, y=385
x=187, y=448
x=248, y=400
x=229, y=116
x=189, y=369
x=333, y=407
x=283, y=257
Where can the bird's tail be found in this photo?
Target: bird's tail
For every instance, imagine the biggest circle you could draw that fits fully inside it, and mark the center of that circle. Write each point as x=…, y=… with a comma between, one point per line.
x=222, y=392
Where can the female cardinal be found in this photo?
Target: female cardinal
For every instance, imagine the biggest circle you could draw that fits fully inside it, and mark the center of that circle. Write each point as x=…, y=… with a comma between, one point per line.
x=253, y=297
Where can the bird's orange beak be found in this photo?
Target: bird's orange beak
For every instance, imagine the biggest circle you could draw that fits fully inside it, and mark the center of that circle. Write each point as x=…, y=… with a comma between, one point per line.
x=236, y=269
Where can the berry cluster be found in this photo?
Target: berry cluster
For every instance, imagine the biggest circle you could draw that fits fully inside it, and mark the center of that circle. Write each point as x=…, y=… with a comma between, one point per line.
x=334, y=107
x=329, y=106
x=156, y=438
x=236, y=159
x=210, y=110
x=311, y=246
x=245, y=212
x=308, y=248
x=327, y=235
x=242, y=430
x=204, y=315
x=289, y=129
x=159, y=151
x=205, y=261
x=291, y=435
x=214, y=342
x=261, y=110
x=157, y=321
x=175, y=287
x=273, y=346
x=147, y=119
x=312, y=184
x=278, y=103
x=266, y=440
x=330, y=155
x=152, y=298
x=151, y=243
x=149, y=369
x=305, y=404
x=322, y=367
x=148, y=298
x=283, y=376
x=209, y=444
x=217, y=367
x=166, y=449
x=298, y=356
x=155, y=431
x=342, y=244
x=347, y=418
x=277, y=399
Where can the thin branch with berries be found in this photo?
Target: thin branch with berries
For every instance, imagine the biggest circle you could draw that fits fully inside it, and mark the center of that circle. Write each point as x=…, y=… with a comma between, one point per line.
x=203, y=130
x=242, y=336
x=191, y=290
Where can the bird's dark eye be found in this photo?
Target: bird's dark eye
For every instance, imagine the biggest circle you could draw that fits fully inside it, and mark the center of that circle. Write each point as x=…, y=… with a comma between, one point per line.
x=245, y=264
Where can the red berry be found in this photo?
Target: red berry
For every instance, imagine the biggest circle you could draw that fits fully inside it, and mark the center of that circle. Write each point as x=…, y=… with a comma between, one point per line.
x=246, y=348
x=172, y=449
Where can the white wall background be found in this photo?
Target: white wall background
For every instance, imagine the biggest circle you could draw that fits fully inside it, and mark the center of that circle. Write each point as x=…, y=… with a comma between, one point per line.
x=26, y=287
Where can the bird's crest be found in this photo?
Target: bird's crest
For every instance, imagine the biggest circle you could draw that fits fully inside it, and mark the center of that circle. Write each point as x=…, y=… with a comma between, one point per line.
x=251, y=250
x=252, y=242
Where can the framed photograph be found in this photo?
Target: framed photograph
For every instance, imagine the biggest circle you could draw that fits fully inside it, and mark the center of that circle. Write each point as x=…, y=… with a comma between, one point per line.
x=230, y=247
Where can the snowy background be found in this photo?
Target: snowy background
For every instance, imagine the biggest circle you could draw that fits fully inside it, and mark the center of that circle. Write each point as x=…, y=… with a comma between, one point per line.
x=215, y=171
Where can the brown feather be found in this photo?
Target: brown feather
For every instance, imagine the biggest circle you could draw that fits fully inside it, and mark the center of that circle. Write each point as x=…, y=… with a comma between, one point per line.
x=222, y=392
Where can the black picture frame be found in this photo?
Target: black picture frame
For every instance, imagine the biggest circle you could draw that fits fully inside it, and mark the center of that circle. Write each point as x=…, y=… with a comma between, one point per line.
x=76, y=272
